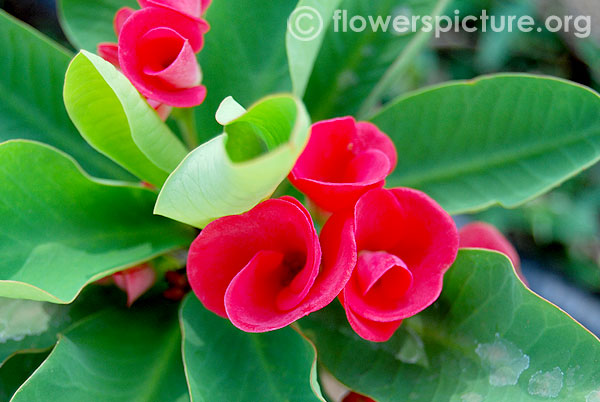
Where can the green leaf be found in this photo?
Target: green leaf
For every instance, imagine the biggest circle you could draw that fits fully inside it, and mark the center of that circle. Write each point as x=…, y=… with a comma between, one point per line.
x=237, y=170
x=114, y=118
x=353, y=67
x=31, y=105
x=28, y=326
x=17, y=370
x=114, y=355
x=488, y=338
x=89, y=22
x=62, y=229
x=244, y=56
x=499, y=139
x=225, y=364
x=306, y=30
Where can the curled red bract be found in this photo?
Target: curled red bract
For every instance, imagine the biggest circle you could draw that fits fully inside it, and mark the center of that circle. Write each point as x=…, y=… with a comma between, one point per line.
x=404, y=242
x=263, y=270
x=157, y=49
x=342, y=160
x=135, y=281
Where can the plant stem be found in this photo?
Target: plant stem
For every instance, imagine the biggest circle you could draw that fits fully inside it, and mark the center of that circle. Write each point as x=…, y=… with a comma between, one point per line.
x=186, y=121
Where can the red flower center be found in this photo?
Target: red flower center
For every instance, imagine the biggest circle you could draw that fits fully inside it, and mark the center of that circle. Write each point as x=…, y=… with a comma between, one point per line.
x=168, y=56
x=382, y=277
x=292, y=265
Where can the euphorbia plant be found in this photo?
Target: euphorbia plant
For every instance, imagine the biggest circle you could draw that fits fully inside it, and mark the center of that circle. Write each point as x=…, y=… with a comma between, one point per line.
x=382, y=294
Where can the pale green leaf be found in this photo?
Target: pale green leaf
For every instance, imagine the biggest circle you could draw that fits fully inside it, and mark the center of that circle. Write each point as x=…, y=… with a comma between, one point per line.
x=243, y=56
x=115, y=119
x=235, y=171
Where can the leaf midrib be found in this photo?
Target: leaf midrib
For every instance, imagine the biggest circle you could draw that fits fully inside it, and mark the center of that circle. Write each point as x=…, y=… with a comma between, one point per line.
x=171, y=345
x=501, y=157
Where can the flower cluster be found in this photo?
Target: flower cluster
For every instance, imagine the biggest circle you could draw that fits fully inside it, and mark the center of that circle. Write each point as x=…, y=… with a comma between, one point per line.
x=382, y=251
x=157, y=51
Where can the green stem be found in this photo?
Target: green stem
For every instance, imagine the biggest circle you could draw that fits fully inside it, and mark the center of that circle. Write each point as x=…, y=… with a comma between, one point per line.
x=399, y=67
x=186, y=121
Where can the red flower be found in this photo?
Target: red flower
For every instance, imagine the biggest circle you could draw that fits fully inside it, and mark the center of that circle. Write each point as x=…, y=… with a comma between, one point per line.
x=404, y=242
x=483, y=235
x=343, y=160
x=261, y=269
x=157, y=49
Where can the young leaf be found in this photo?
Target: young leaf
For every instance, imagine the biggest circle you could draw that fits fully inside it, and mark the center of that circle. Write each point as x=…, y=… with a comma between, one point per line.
x=244, y=56
x=114, y=118
x=31, y=106
x=235, y=171
x=488, y=338
x=62, y=229
x=304, y=42
x=274, y=366
x=499, y=139
x=89, y=22
x=114, y=355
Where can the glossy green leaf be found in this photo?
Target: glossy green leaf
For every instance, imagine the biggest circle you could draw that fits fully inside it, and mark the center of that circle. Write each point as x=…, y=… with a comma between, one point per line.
x=31, y=105
x=227, y=365
x=17, y=370
x=28, y=326
x=488, y=338
x=62, y=229
x=89, y=22
x=499, y=139
x=307, y=26
x=244, y=56
x=351, y=65
x=115, y=119
x=237, y=170
x=114, y=355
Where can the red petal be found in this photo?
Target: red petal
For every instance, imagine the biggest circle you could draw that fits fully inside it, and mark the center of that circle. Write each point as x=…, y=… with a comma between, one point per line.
x=373, y=331
x=135, y=281
x=179, y=70
x=120, y=18
x=109, y=52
